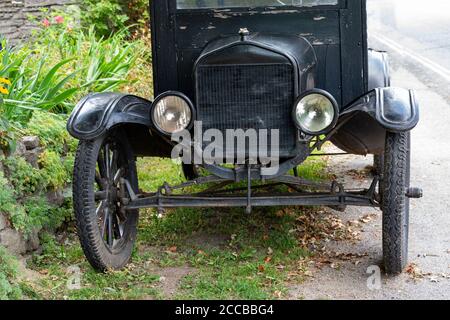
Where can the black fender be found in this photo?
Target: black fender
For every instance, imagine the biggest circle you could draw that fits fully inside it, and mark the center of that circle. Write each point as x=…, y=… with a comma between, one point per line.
x=379, y=70
x=97, y=113
x=363, y=124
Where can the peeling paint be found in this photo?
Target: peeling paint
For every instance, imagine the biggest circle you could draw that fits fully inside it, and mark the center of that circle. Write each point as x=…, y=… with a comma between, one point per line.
x=320, y=18
x=280, y=12
x=221, y=15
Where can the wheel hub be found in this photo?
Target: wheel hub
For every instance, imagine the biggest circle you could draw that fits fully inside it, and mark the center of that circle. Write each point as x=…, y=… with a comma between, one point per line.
x=112, y=193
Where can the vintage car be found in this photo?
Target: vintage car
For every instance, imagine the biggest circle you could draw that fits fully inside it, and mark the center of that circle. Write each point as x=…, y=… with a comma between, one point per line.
x=298, y=71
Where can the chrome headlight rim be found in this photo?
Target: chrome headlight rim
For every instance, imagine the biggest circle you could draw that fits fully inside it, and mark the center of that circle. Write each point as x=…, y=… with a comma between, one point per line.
x=174, y=94
x=327, y=95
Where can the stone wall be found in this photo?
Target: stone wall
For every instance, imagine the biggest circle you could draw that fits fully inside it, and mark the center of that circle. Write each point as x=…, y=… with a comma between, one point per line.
x=14, y=22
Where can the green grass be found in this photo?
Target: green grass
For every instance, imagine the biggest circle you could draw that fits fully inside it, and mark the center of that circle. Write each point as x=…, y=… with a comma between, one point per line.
x=228, y=254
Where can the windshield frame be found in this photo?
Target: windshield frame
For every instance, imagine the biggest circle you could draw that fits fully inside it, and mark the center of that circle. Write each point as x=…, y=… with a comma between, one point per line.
x=341, y=4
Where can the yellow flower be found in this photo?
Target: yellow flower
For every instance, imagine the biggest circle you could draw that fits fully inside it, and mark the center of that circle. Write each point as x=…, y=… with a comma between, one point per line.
x=3, y=90
x=5, y=81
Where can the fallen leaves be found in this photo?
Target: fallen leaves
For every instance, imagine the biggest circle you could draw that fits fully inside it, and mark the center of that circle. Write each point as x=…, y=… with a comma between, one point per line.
x=278, y=294
x=173, y=249
x=335, y=259
x=414, y=271
x=316, y=228
x=417, y=274
x=360, y=174
x=368, y=218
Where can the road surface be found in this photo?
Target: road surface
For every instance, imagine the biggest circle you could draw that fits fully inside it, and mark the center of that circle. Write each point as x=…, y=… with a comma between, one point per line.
x=416, y=33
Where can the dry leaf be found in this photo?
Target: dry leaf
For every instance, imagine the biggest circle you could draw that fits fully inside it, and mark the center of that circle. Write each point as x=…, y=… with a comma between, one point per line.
x=268, y=259
x=173, y=249
x=261, y=268
x=278, y=294
x=335, y=266
x=269, y=251
x=354, y=223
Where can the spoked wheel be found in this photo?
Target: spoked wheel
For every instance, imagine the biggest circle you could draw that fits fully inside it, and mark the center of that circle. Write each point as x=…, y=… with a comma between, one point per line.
x=395, y=202
x=107, y=232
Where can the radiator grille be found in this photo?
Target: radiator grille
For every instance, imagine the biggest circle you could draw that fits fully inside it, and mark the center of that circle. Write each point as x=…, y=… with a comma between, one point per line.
x=248, y=96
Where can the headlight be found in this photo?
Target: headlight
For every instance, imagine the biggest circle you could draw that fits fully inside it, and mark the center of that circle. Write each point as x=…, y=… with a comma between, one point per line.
x=316, y=112
x=172, y=112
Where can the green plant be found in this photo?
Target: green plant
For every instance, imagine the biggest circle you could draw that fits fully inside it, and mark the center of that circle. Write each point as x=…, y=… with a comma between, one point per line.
x=9, y=289
x=7, y=141
x=106, y=16
x=139, y=16
x=53, y=170
x=51, y=130
x=34, y=83
x=85, y=63
x=25, y=179
x=8, y=202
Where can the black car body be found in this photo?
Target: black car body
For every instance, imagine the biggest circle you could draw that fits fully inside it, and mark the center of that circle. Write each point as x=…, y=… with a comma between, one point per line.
x=246, y=65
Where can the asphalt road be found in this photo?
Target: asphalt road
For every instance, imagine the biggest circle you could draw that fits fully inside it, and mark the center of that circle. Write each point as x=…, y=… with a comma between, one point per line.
x=416, y=33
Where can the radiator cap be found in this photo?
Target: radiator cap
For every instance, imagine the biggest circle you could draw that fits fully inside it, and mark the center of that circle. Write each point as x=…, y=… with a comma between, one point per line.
x=243, y=32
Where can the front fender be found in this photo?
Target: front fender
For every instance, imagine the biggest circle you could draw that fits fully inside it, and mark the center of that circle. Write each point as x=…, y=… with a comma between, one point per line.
x=97, y=113
x=395, y=109
x=363, y=125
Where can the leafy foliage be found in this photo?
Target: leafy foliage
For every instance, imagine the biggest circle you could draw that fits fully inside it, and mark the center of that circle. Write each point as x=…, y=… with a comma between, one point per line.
x=106, y=15
x=85, y=63
x=24, y=195
x=110, y=16
x=8, y=274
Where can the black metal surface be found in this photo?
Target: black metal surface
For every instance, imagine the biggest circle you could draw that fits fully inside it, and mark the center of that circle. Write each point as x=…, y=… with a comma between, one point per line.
x=379, y=111
x=220, y=196
x=248, y=97
x=337, y=33
x=348, y=199
x=379, y=73
x=97, y=113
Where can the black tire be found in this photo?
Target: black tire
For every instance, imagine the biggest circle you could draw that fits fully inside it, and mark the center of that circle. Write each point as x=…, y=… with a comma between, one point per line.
x=107, y=234
x=395, y=203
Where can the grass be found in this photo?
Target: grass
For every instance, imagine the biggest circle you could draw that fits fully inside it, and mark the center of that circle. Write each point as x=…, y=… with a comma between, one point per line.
x=201, y=254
